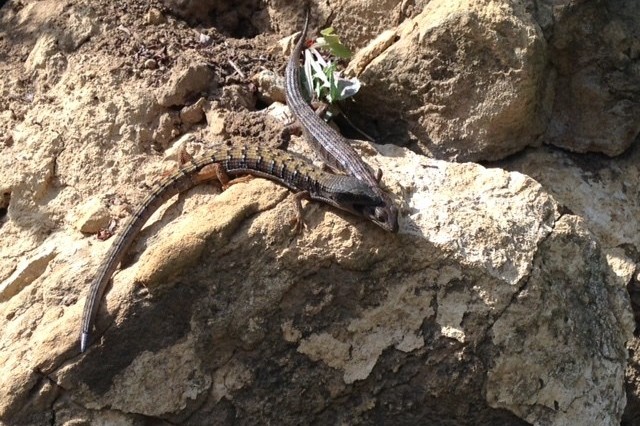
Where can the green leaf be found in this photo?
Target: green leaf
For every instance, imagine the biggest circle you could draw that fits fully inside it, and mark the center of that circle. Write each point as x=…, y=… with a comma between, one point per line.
x=333, y=42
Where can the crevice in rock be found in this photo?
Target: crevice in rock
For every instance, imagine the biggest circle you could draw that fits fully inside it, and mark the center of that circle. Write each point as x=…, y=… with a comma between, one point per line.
x=5, y=200
x=524, y=282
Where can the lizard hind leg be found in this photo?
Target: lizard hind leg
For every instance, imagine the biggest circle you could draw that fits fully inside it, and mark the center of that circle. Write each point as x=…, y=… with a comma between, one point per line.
x=184, y=157
x=378, y=175
x=215, y=171
x=298, y=221
x=210, y=172
x=239, y=179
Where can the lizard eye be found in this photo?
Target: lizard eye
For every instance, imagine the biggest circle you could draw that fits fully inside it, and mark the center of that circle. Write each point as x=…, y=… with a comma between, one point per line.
x=381, y=214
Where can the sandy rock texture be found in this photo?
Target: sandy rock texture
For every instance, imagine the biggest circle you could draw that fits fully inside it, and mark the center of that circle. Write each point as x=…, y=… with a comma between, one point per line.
x=604, y=193
x=594, y=51
x=503, y=300
x=476, y=72
x=481, y=80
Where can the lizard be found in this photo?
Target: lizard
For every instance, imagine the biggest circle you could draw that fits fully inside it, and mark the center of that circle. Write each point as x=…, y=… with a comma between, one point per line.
x=334, y=148
x=343, y=192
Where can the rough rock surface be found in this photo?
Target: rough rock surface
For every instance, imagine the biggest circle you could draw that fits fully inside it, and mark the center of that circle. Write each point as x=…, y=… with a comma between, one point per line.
x=595, y=50
x=501, y=301
x=476, y=76
x=604, y=192
x=480, y=80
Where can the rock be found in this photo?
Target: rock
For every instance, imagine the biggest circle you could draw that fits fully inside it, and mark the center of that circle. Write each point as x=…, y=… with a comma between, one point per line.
x=186, y=81
x=27, y=272
x=155, y=17
x=187, y=242
x=270, y=86
x=501, y=300
x=215, y=119
x=91, y=216
x=45, y=47
x=540, y=366
x=632, y=411
x=601, y=191
x=176, y=151
x=238, y=97
x=595, y=49
x=79, y=27
x=464, y=275
x=167, y=130
x=371, y=51
x=280, y=112
x=151, y=64
x=204, y=39
x=177, y=367
x=467, y=79
x=193, y=114
x=621, y=265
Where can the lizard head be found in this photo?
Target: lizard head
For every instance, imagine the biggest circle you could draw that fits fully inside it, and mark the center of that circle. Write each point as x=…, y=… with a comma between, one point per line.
x=385, y=216
x=354, y=196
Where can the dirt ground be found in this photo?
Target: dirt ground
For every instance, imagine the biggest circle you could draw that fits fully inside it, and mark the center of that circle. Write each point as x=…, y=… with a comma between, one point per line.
x=138, y=50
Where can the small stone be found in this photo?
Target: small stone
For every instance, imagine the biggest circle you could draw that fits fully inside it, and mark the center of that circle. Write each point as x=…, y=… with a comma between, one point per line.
x=280, y=112
x=167, y=130
x=215, y=120
x=91, y=216
x=44, y=48
x=150, y=64
x=193, y=114
x=155, y=17
x=270, y=86
x=186, y=80
x=204, y=39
